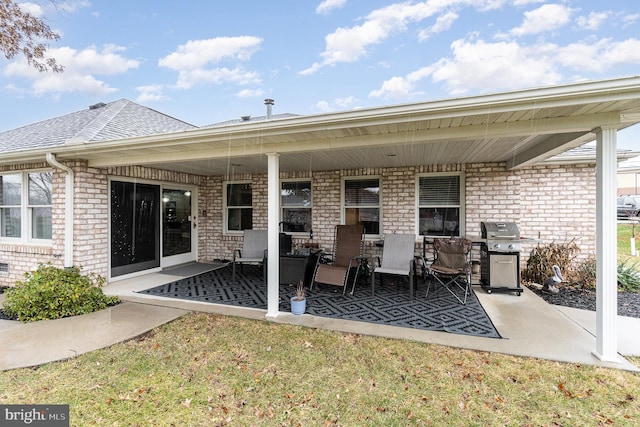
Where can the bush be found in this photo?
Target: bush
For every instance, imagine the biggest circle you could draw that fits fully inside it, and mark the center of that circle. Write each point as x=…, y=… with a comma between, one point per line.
x=51, y=293
x=585, y=274
x=544, y=257
x=628, y=277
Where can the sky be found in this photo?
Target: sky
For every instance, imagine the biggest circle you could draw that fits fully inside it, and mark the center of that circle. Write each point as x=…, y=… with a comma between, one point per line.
x=208, y=61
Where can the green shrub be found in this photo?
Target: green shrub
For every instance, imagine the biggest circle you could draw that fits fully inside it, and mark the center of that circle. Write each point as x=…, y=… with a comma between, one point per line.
x=628, y=277
x=51, y=293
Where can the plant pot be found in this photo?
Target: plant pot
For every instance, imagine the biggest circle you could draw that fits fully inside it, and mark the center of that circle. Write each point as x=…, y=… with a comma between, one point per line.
x=475, y=267
x=298, y=306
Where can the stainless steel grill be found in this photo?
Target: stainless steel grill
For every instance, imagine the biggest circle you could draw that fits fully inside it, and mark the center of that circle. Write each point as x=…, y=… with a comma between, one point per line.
x=500, y=257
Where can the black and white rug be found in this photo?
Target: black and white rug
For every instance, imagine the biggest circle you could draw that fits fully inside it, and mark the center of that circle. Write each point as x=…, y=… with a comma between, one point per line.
x=391, y=304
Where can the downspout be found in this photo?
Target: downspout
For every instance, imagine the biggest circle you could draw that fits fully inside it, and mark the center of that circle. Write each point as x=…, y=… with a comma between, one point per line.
x=68, y=211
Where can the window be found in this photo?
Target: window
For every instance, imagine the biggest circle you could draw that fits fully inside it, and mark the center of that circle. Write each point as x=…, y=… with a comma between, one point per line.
x=25, y=204
x=239, y=210
x=440, y=205
x=295, y=202
x=361, y=203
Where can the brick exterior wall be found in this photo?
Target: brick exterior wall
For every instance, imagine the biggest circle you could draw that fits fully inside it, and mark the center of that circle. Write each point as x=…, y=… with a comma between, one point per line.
x=552, y=203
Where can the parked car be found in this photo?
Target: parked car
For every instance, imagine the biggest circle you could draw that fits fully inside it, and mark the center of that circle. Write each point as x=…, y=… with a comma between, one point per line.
x=628, y=206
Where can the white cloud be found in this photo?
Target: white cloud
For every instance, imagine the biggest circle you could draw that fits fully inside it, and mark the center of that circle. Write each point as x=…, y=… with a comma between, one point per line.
x=151, y=93
x=32, y=8
x=194, y=61
x=71, y=6
x=323, y=106
x=482, y=67
x=346, y=103
x=443, y=23
x=81, y=69
x=238, y=76
x=599, y=56
x=250, y=93
x=593, y=20
x=630, y=19
x=548, y=17
x=329, y=5
x=526, y=2
x=351, y=44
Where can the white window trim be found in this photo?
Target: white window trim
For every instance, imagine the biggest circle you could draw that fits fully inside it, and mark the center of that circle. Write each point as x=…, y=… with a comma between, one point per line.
x=379, y=206
x=281, y=207
x=225, y=213
x=463, y=211
x=26, y=220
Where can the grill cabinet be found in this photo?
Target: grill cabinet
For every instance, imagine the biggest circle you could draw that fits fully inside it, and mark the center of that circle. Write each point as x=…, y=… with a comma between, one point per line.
x=500, y=257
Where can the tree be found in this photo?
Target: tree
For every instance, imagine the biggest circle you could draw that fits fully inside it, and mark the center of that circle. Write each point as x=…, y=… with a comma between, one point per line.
x=22, y=33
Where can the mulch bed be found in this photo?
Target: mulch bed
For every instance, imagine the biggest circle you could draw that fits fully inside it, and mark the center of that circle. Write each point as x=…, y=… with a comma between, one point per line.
x=628, y=302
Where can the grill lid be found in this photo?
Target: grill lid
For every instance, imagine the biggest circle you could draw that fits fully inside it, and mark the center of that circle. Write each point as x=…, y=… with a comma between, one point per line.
x=500, y=231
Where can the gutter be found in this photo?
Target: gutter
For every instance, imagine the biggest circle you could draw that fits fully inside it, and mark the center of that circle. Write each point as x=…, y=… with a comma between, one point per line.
x=68, y=211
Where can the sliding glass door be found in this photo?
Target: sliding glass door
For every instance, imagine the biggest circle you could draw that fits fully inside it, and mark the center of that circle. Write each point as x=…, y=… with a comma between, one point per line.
x=135, y=227
x=151, y=226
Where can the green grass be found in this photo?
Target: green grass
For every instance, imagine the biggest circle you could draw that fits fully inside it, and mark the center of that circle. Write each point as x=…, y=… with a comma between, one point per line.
x=214, y=370
x=625, y=231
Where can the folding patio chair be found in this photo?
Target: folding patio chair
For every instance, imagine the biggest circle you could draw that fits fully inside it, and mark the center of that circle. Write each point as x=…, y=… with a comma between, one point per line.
x=334, y=268
x=451, y=267
x=254, y=250
x=397, y=259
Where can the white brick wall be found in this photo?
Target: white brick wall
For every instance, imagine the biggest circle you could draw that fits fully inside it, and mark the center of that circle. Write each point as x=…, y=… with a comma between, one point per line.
x=554, y=203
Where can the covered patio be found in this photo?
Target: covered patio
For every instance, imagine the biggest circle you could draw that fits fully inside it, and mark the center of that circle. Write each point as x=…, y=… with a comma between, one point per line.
x=506, y=131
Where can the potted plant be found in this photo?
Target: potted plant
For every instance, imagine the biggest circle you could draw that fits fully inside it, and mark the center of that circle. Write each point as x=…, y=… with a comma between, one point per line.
x=299, y=300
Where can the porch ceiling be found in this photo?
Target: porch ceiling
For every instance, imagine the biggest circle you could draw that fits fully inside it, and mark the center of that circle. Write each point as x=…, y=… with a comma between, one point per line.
x=519, y=128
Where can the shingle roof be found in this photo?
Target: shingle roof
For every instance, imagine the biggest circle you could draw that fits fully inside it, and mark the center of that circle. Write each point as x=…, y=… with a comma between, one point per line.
x=249, y=119
x=100, y=122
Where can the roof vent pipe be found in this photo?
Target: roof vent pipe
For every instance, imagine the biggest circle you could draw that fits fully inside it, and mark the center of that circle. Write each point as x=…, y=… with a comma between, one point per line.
x=269, y=103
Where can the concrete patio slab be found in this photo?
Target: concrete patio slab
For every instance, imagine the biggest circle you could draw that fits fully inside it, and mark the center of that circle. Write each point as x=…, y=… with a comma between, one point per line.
x=530, y=327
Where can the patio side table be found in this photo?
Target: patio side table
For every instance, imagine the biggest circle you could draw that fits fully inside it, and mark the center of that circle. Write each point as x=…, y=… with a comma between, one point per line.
x=296, y=267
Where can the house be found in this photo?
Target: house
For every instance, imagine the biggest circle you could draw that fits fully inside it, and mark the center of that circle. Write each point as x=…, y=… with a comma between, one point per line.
x=122, y=190
x=629, y=180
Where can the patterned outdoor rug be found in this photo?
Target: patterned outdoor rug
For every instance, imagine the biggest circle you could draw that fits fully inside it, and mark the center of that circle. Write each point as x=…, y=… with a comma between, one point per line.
x=391, y=304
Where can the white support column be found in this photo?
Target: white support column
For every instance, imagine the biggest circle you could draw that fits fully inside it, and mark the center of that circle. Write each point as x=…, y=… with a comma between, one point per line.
x=273, y=231
x=606, y=247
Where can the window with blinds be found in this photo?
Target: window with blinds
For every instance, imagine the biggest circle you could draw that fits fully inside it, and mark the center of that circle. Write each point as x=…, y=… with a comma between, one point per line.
x=439, y=205
x=362, y=203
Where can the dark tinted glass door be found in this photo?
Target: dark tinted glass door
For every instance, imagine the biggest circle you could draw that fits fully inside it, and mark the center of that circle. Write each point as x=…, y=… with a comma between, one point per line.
x=135, y=227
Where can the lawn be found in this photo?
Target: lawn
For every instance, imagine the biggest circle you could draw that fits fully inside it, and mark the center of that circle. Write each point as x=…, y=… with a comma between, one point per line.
x=625, y=231
x=213, y=370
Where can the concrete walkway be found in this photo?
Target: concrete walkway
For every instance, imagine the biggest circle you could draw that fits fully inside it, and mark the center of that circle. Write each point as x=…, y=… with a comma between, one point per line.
x=36, y=343
x=530, y=327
